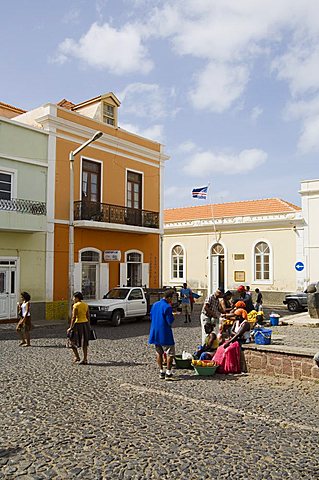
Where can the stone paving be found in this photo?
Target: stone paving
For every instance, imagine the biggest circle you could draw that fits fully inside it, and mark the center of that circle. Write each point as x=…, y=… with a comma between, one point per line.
x=115, y=419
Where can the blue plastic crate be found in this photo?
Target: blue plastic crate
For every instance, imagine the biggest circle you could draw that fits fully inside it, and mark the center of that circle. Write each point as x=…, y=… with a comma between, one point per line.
x=263, y=336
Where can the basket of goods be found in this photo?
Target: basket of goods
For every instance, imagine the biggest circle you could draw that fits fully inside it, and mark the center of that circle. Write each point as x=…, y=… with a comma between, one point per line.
x=204, y=367
x=262, y=336
x=183, y=363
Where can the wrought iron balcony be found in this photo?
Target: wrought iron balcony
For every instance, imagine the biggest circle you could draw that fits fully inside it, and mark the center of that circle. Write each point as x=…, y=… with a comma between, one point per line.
x=23, y=206
x=103, y=212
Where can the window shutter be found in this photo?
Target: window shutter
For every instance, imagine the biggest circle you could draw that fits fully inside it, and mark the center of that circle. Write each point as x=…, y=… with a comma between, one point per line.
x=123, y=274
x=77, y=277
x=146, y=275
x=104, y=279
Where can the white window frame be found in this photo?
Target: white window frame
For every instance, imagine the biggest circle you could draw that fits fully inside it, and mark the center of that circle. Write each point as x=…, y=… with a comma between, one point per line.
x=172, y=278
x=271, y=269
x=96, y=250
x=141, y=173
x=14, y=177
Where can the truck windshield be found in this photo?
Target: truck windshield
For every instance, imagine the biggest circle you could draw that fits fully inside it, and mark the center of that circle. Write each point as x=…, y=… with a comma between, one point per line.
x=118, y=293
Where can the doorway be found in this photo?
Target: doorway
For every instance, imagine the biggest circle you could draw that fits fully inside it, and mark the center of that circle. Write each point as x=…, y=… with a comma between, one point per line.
x=217, y=267
x=8, y=289
x=134, y=269
x=90, y=274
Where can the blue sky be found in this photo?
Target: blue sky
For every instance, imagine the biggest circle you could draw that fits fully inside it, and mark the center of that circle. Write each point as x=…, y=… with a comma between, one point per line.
x=231, y=88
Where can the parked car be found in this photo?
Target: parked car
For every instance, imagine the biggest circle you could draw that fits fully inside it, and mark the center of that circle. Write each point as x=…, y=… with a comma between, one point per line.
x=119, y=304
x=296, y=302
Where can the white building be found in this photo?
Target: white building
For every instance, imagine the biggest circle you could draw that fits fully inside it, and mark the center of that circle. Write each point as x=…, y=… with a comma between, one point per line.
x=256, y=243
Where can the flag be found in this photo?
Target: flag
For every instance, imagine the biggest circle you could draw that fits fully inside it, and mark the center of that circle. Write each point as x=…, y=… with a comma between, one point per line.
x=200, y=192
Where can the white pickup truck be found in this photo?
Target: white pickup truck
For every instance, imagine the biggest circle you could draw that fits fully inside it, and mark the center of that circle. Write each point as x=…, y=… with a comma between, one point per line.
x=118, y=304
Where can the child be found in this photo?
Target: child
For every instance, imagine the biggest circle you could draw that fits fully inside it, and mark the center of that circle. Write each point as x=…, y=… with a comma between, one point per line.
x=206, y=351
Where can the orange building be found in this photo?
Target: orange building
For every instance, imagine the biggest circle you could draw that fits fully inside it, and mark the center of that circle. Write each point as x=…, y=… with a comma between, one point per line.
x=118, y=201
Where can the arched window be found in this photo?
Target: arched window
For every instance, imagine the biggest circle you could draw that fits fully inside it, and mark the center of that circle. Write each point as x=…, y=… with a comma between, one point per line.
x=217, y=249
x=262, y=261
x=178, y=268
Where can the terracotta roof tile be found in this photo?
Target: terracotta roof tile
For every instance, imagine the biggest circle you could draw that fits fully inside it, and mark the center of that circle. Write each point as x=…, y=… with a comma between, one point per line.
x=12, y=107
x=66, y=104
x=230, y=209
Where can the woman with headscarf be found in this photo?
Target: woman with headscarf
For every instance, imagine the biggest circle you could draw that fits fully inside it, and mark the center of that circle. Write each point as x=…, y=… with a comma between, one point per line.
x=228, y=355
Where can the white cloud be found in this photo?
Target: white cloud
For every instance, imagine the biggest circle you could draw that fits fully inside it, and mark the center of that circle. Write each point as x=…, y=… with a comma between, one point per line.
x=309, y=138
x=299, y=67
x=207, y=163
x=153, y=132
x=218, y=86
x=186, y=147
x=255, y=113
x=147, y=100
x=118, y=51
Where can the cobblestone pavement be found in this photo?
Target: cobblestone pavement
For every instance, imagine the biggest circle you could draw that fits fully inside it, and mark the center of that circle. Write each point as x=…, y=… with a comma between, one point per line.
x=115, y=419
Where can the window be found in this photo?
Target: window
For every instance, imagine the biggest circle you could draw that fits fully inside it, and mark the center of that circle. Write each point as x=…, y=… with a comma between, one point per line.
x=217, y=249
x=91, y=181
x=136, y=294
x=90, y=273
x=262, y=261
x=134, y=190
x=108, y=114
x=178, y=263
x=5, y=186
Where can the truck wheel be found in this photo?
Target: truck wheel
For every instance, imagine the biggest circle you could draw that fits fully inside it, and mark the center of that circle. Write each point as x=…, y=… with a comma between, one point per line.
x=293, y=306
x=116, y=318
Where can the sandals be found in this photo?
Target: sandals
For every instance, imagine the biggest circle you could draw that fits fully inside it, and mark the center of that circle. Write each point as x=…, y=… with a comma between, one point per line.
x=83, y=362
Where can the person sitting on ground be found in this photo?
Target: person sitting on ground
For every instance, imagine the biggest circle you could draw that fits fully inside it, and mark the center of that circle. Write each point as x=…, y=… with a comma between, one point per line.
x=240, y=329
x=207, y=351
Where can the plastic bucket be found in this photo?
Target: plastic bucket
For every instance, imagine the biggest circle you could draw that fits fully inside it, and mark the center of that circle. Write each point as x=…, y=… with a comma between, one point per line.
x=274, y=320
x=183, y=364
x=262, y=336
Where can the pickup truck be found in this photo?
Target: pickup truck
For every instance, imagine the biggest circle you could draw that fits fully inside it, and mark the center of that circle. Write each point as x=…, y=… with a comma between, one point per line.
x=118, y=304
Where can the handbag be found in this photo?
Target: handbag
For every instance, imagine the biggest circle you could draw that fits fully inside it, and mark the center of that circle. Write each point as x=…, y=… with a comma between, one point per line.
x=92, y=335
x=70, y=334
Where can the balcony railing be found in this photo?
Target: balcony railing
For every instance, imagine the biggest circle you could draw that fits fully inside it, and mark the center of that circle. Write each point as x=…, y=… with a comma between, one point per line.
x=23, y=206
x=103, y=212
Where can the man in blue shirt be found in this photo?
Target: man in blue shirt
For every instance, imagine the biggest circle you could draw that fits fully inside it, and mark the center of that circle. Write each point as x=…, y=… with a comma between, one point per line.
x=161, y=334
x=186, y=302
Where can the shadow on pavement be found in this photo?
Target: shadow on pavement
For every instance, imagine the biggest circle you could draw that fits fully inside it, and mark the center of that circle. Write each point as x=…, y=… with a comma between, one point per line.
x=116, y=364
x=7, y=452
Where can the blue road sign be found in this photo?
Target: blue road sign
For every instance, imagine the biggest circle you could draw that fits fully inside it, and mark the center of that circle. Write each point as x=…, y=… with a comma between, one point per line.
x=299, y=266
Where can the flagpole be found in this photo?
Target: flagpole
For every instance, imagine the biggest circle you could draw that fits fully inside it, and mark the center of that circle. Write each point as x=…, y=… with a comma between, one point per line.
x=209, y=198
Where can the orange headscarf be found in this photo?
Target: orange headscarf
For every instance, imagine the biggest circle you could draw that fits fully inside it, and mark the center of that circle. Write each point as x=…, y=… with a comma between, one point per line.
x=242, y=313
x=240, y=304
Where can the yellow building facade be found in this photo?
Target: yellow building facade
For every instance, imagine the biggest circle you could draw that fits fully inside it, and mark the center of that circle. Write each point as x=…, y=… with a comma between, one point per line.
x=118, y=193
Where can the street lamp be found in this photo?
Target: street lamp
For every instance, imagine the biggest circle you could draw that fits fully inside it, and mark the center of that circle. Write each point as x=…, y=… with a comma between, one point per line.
x=72, y=154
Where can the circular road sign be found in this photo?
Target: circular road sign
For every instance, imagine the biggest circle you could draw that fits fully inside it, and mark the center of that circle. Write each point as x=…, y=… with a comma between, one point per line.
x=299, y=266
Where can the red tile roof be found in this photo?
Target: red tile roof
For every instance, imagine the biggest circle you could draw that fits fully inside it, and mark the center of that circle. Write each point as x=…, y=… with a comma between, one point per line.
x=12, y=108
x=230, y=209
x=66, y=104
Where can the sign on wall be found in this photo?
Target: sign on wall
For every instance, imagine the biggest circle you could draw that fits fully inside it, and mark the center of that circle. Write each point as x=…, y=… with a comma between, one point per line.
x=239, y=276
x=112, y=255
x=299, y=266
